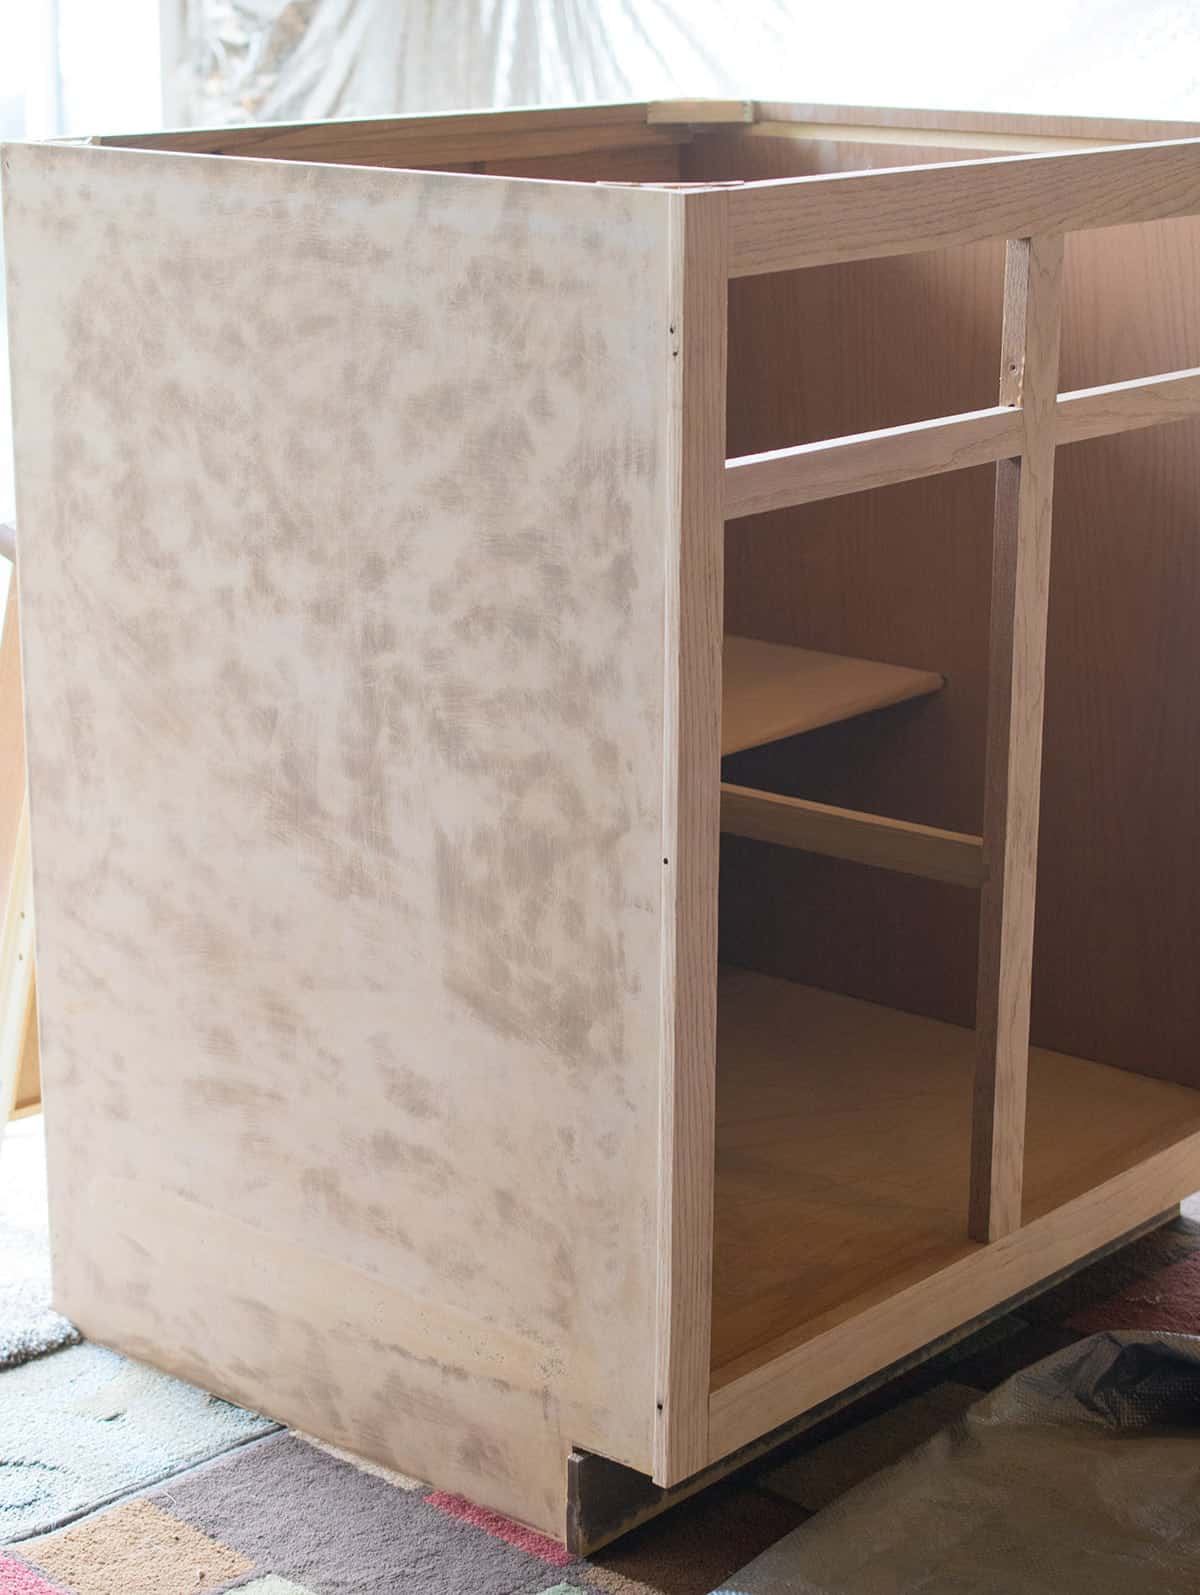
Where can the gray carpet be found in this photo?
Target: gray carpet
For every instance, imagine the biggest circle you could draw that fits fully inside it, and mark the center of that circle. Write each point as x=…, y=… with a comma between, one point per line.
x=28, y=1325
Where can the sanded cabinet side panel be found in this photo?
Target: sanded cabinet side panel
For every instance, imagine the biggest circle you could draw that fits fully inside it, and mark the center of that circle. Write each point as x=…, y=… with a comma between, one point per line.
x=342, y=501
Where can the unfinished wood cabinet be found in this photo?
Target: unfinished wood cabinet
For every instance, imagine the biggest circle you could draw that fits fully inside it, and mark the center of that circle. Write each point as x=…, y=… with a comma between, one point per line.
x=476, y=573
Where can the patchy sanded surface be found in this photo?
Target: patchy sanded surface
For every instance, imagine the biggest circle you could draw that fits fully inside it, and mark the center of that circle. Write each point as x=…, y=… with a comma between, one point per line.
x=343, y=506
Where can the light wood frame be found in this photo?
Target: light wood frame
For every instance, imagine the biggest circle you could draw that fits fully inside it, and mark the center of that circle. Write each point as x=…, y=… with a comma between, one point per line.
x=671, y=1418
x=1032, y=201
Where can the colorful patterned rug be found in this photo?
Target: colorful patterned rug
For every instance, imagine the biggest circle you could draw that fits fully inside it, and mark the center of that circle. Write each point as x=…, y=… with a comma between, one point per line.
x=282, y=1516
x=85, y=1426
x=277, y=1514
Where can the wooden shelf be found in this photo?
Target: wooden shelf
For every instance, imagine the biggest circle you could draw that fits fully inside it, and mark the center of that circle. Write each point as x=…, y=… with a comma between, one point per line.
x=771, y=690
x=843, y=1134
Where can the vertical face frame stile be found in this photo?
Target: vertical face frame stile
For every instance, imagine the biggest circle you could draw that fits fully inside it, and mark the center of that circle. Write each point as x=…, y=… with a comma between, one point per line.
x=1029, y=346
x=691, y=830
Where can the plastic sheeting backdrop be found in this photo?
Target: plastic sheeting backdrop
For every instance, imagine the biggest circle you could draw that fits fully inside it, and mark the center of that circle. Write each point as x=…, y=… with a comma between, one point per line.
x=280, y=60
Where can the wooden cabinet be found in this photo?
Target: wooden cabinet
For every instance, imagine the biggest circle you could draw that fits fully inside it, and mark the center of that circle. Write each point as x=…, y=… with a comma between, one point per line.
x=478, y=571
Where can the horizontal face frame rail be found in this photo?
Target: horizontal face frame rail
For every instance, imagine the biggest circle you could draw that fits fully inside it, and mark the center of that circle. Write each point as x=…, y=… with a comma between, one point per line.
x=785, y=223
x=810, y=472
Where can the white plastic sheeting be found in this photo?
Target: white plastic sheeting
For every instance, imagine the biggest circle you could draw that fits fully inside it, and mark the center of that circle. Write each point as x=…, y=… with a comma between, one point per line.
x=247, y=60
x=279, y=60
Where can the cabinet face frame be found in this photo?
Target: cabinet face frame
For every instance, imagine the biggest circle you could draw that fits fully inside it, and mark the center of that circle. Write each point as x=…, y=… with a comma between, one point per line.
x=1032, y=201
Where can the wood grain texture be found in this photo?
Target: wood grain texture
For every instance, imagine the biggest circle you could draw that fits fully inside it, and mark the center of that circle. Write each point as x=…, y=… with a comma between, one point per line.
x=960, y=140
x=348, y=793
x=1124, y=130
x=700, y=112
x=846, y=350
x=878, y=344
x=864, y=216
x=624, y=163
x=1114, y=407
x=841, y=1189
x=459, y=138
x=1029, y=350
x=873, y=839
x=691, y=831
x=771, y=691
x=810, y=472
x=766, y=1396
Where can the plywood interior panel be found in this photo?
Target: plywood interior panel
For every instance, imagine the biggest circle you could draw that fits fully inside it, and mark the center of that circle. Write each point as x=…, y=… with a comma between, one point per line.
x=771, y=691
x=585, y=144
x=842, y=1153
x=903, y=573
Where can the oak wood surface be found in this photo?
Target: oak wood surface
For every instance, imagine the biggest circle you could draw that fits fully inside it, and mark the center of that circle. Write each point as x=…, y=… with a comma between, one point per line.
x=884, y=1330
x=624, y=163
x=842, y=1166
x=909, y=210
x=691, y=828
x=771, y=691
x=700, y=112
x=1020, y=603
x=419, y=140
x=904, y=572
x=812, y=472
x=919, y=120
x=961, y=140
x=872, y=839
